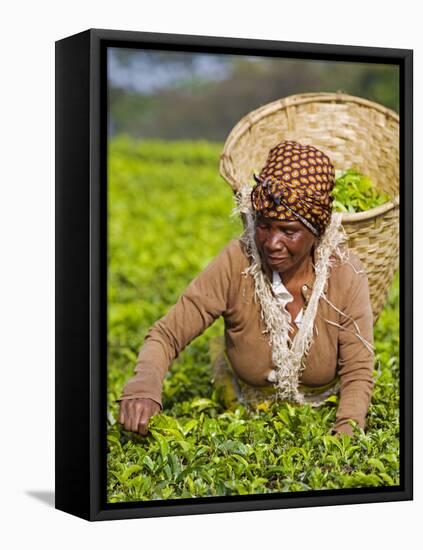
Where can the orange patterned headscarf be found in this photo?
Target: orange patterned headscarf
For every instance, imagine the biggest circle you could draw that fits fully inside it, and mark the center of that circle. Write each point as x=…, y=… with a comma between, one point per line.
x=295, y=184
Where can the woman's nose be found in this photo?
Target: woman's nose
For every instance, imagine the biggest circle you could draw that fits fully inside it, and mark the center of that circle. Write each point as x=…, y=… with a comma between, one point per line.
x=274, y=242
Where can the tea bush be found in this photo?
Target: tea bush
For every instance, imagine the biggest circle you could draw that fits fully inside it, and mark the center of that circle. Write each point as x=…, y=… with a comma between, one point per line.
x=168, y=217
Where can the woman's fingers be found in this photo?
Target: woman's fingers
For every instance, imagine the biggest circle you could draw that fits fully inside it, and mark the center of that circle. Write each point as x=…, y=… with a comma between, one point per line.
x=143, y=422
x=136, y=411
x=121, y=418
x=126, y=414
x=150, y=409
x=135, y=414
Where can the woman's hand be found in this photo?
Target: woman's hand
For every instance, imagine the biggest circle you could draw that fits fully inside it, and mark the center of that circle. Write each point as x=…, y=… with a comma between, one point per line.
x=135, y=414
x=346, y=429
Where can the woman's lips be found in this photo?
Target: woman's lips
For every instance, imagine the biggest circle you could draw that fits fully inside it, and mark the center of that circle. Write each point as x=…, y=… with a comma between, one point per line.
x=276, y=258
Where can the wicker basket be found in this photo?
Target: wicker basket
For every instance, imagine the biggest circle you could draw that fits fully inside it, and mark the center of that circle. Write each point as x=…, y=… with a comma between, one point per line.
x=354, y=133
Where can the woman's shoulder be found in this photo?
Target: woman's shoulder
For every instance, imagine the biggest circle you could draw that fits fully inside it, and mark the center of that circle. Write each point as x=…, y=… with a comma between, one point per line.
x=348, y=288
x=234, y=252
x=231, y=258
x=349, y=266
x=347, y=273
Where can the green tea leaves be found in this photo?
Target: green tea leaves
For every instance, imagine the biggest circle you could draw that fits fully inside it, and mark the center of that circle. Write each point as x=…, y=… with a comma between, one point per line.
x=355, y=192
x=168, y=217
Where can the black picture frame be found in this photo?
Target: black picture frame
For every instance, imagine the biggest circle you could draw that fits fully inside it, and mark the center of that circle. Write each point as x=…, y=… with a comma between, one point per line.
x=81, y=277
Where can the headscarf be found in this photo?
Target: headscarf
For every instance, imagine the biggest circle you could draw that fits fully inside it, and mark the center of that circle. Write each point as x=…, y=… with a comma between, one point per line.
x=295, y=184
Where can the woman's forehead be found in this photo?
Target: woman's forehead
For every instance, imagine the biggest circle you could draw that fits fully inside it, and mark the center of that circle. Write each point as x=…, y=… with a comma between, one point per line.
x=280, y=223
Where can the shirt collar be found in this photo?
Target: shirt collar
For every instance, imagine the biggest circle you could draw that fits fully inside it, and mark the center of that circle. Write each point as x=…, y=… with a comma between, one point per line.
x=280, y=289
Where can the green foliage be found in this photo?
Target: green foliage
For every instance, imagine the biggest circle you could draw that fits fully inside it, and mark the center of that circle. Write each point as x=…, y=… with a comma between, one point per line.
x=168, y=217
x=355, y=192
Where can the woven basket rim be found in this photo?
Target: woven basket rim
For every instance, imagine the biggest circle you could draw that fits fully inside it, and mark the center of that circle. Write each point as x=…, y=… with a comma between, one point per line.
x=351, y=217
x=348, y=217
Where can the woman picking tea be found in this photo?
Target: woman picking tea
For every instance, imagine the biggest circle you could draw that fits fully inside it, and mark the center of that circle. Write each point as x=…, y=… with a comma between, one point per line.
x=295, y=301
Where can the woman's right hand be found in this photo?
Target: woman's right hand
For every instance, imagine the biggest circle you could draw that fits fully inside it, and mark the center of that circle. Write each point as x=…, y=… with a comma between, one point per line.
x=135, y=414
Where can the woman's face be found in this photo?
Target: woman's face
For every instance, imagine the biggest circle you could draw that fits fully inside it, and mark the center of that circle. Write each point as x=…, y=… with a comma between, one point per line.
x=284, y=245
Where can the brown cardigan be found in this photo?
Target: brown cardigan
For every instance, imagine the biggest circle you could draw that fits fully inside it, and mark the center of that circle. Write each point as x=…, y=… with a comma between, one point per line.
x=223, y=289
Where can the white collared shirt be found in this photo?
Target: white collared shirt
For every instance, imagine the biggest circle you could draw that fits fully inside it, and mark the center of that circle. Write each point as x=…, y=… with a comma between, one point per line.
x=283, y=296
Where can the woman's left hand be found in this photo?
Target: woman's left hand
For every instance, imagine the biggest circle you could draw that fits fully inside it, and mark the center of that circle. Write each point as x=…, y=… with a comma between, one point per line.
x=346, y=429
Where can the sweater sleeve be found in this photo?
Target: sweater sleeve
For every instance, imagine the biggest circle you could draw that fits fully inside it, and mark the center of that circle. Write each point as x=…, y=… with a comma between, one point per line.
x=356, y=355
x=201, y=303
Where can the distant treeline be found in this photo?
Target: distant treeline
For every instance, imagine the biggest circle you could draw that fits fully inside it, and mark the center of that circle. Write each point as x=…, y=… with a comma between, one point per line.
x=200, y=108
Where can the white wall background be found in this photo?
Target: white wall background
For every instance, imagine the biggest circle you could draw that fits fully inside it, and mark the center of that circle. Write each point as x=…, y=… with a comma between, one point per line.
x=29, y=30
